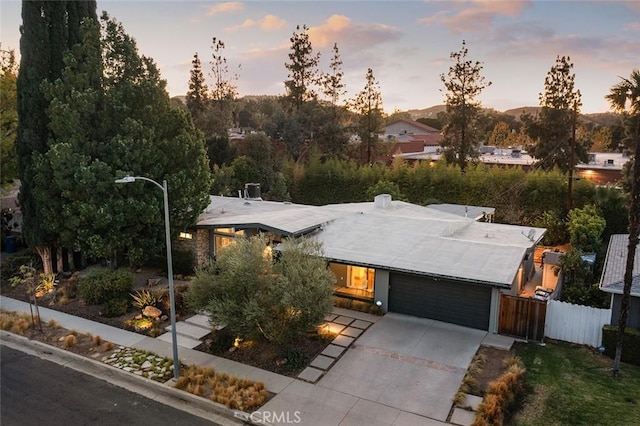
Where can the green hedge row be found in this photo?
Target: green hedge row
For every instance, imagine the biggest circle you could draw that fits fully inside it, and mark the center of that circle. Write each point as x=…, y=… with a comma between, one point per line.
x=631, y=345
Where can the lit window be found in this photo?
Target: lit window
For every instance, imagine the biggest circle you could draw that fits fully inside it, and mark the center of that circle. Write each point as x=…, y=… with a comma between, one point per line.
x=185, y=236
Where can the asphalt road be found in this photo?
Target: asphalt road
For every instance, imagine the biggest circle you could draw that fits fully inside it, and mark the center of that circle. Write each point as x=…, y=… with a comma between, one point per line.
x=38, y=392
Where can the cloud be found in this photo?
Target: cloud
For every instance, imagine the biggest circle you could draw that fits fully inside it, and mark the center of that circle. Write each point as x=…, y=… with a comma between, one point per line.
x=248, y=23
x=339, y=28
x=272, y=22
x=231, y=6
x=267, y=23
x=475, y=15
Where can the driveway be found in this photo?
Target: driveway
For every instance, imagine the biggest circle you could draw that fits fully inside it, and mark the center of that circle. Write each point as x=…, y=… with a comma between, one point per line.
x=410, y=364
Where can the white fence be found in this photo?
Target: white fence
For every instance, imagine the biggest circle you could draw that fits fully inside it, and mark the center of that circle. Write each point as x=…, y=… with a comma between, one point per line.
x=575, y=323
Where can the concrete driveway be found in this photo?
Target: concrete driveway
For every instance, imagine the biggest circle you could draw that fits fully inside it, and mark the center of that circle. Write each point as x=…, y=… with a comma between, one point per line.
x=405, y=363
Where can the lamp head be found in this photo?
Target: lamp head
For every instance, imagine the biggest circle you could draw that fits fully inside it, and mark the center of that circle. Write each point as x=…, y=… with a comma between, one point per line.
x=126, y=179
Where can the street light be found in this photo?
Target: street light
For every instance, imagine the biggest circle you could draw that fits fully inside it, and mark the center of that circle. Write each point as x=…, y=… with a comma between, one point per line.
x=167, y=229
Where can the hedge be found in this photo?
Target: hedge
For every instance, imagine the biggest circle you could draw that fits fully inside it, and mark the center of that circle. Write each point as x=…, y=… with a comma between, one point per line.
x=631, y=343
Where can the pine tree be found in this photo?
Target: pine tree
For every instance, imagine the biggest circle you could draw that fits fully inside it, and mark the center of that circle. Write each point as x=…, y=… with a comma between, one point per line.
x=368, y=106
x=552, y=128
x=333, y=86
x=463, y=84
x=302, y=69
x=8, y=115
x=198, y=94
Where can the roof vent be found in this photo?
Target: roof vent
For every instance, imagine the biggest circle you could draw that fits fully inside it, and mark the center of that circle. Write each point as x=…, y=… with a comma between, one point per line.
x=382, y=201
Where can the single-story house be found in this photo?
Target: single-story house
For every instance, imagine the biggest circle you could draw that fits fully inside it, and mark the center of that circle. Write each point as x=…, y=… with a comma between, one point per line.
x=612, y=280
x=405, y=258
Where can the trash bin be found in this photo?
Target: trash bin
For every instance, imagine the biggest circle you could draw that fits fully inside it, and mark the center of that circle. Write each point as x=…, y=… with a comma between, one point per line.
x=10, y=244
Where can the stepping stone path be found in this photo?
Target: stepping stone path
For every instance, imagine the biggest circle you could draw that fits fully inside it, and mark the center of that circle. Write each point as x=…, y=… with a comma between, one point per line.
x=347, y=330
x=190, y=331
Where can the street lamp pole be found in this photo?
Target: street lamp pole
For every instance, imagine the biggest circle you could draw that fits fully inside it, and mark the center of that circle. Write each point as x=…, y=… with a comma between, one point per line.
x=167, y=231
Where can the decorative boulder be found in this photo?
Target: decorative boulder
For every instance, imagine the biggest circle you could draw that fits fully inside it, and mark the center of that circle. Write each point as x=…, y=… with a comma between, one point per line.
x=151, y=312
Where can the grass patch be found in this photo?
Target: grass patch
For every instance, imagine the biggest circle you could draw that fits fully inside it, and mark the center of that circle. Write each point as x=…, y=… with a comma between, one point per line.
x=570, y=384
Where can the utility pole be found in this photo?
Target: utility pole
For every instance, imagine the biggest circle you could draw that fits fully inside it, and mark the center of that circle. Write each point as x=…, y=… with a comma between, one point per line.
x=571, y=157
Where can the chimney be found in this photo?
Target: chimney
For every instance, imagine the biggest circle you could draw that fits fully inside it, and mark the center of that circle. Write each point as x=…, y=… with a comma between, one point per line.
x=382, y=201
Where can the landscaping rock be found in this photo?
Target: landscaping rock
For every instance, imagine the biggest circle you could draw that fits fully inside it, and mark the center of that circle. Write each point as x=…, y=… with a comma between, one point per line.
x=151, y=312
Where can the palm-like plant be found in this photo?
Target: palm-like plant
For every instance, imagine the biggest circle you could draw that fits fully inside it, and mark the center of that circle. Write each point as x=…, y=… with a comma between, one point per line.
x=625, y=97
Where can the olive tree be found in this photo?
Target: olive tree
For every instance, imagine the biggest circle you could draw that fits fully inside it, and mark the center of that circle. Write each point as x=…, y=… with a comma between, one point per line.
x=277, y=297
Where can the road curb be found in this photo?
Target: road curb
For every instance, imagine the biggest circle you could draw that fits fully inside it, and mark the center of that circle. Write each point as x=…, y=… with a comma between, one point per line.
x=163, y=393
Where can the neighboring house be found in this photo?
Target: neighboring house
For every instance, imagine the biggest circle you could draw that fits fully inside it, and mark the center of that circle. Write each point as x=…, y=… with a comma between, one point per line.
x=406, y=258
x=403, y=131
x=602, y=168
x=612, y=280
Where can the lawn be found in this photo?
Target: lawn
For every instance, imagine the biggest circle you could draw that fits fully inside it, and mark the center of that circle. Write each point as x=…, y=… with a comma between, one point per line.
x=570, y=384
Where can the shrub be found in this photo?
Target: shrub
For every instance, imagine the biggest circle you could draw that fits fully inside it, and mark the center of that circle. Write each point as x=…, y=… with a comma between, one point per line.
x=11, y=264
x=144, y=298
x=296, y=359
x=501, y=395
x=115, y=307
x=631, y=347
x=105, y=285
x=70, y=341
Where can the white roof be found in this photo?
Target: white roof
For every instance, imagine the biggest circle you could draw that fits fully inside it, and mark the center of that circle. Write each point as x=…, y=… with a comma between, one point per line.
x=283, y=218
x=473, y=212
x=612, y=280
x=460, y=249
x=400, y=236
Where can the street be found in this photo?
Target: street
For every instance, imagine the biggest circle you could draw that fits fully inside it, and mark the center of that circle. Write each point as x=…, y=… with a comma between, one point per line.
x=39, y=392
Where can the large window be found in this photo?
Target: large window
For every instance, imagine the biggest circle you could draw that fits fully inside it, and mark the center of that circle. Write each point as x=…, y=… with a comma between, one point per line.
x=356, y=280
x=225, y=236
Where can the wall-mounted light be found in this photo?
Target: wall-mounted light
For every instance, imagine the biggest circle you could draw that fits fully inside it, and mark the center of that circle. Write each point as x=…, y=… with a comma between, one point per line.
x=379, y=303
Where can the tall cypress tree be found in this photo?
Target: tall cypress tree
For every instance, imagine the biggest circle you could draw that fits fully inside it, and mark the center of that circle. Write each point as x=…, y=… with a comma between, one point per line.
x=48, y=29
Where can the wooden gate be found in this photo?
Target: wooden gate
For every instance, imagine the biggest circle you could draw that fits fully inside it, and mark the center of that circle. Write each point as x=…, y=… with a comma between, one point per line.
x=522, y=317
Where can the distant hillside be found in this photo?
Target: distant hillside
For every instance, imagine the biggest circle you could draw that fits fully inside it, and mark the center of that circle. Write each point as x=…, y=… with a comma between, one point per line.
x=431, y=112
x=517, y=112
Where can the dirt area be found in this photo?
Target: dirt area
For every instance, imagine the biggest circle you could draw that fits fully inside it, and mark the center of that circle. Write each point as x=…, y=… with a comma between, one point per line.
x=493, y=367
x=287, y=360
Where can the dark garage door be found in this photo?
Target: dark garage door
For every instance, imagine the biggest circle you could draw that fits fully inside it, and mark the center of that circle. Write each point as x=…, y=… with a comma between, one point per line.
x=463, y=304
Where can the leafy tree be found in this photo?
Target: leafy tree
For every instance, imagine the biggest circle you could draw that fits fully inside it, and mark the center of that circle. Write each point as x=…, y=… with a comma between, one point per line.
x=463, y=84
x=501, y=135
x=602, y=140
x=585, y=228
x=262, y=297
x=552, y=128
x=579, y=286
x=110, y=115
x=370, y=115
x=8, y=115
x=625, y=97
x=555, y=226
x=385, y=187
x=302, y=69
x=48, y=29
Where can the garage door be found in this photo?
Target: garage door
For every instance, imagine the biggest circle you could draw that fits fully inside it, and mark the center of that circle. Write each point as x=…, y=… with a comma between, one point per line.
x=457, y=303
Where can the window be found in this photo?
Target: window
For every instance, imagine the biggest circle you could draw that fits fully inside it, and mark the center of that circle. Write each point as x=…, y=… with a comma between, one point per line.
x=225, y=236
x=185, y=236
x=360, y=278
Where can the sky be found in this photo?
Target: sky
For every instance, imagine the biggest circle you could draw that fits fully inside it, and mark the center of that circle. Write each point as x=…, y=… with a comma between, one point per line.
x=406, y=43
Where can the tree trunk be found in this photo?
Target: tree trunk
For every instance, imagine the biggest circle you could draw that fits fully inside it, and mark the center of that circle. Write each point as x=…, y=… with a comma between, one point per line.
x=59, y=260
x=634, y=228
x=45, y=255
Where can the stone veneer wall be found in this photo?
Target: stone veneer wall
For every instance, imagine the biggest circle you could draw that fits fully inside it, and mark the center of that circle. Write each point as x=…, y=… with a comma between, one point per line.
x=198, y=246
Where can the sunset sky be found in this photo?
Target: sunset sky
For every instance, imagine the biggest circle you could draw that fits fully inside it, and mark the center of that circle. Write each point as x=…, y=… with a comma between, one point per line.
x=406, y=43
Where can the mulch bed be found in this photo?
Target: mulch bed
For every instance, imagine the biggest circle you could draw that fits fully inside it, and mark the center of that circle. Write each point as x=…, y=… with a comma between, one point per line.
x=287, y=360
x=494, y=365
